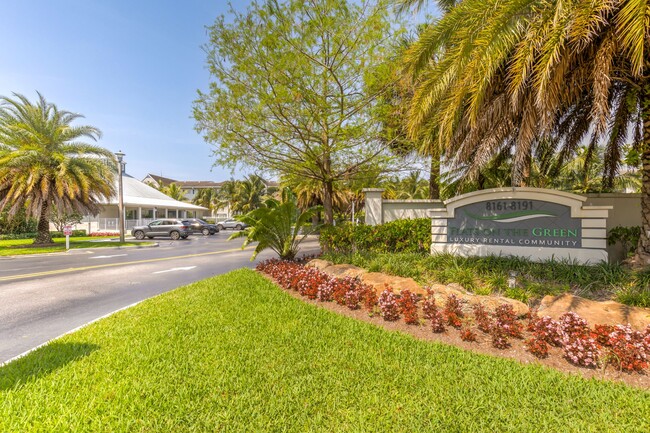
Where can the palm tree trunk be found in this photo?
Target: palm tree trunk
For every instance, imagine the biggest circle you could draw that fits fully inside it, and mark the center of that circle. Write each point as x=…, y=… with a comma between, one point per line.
x=43, y=237
x=643, y=249
x=434, y=176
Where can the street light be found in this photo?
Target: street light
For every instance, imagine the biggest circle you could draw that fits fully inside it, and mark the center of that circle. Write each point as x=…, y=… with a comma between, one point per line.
x=120, y=171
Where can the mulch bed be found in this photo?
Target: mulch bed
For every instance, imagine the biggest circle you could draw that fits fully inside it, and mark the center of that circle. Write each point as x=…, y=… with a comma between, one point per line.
x=483, y=345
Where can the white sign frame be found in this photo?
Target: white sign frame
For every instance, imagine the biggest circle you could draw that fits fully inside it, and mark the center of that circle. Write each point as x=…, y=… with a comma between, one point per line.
x=593, y=226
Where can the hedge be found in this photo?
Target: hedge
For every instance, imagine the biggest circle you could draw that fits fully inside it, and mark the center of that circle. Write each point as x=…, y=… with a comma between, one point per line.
x=401, y=236
x=75, y=233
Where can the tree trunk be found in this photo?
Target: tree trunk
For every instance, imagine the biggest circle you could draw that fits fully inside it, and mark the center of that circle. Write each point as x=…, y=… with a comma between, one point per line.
x=434, y=176
x=643, y=249
x=43, y=237
x=328, y=207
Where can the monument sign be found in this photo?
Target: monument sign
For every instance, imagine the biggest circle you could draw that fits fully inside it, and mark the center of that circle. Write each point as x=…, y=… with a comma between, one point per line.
x=535, y=223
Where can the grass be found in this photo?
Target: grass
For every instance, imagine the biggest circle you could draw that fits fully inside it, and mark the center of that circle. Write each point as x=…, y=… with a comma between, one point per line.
x=484, y=275
x=235, y=353
x=15, y=247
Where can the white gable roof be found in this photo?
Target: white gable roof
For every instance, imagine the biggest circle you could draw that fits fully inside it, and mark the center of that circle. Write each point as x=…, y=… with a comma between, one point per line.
x=140, y=194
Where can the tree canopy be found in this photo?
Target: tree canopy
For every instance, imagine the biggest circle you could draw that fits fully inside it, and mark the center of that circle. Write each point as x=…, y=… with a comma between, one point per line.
x=511, y=75
x=290, y=90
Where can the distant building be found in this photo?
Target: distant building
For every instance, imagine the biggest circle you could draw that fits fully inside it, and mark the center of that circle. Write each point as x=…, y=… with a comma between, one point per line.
x=190, y=188
x=142, y=204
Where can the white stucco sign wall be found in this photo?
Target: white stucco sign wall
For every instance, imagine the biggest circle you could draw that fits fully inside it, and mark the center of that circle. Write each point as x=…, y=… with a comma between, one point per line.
x=535, y=223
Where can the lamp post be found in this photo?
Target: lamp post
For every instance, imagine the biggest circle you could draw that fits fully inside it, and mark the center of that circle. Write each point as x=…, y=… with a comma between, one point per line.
x=120, y=172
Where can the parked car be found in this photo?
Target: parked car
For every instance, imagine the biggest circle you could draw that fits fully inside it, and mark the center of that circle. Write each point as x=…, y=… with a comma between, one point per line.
x=168, y=227
x=200, y=226
x=231, y=224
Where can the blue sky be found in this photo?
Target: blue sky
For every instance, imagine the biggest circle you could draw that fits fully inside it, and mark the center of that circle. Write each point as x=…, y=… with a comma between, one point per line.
x=131, y=68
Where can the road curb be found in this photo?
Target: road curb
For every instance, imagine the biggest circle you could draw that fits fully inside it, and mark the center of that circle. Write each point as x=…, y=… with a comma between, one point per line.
x=27, y=352
x=80, y=250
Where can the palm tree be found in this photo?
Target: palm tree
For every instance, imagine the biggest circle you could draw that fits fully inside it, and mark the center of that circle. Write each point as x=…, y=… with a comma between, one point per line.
x=227, y=195
x=207, y=197
x=174, y=191
x=250, y=193
x=44, y=165
x=510, y=74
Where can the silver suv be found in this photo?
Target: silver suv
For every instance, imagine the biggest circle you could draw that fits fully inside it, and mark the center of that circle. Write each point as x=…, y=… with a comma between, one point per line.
x=231, y=224
x=168, y=227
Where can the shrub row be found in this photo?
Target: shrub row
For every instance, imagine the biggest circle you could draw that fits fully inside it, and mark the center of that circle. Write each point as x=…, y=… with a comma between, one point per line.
x=75, y=233
x=406, y=236
x=619, y=346
x=104, y=234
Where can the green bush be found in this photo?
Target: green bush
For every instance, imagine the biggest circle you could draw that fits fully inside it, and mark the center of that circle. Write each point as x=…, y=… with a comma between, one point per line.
x=626, y=236
x=401, y=236
x=17, y=225
x=75, y=233
x=9, y=237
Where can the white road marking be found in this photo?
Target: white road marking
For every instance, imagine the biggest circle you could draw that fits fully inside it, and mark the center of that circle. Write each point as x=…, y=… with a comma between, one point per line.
x=107, y=257
x=187, y=268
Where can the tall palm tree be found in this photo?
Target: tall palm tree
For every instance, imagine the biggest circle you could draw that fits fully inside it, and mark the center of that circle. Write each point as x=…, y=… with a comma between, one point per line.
x=510, y=74
x=227, y=195
x=44, y=165
x=250, y=193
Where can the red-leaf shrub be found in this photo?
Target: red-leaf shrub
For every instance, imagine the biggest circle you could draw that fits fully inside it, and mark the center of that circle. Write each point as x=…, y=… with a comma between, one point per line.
x=326, y=290
x=467, y=335
x=546, y=329
x=428, y=305
x=341, y=287
x=537, y=346
x=580, y=347
x=311, y=280
x=506, y=320
x=499, y=337
x=408, y=304
x=573, y=325
x=104, y=234
x=629, y=349
x=436, y=317
x=582, y=350
x=453, y=311
x=370, y=299
x=482, y=317
x=354, y=295
x=388, y=305
x=602, y=333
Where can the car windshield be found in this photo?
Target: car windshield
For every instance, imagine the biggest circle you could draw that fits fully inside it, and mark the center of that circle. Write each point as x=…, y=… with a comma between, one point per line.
x=185, y=223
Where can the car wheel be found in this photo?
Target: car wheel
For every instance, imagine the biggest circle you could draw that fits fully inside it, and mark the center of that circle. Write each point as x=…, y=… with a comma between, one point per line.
x=175, y=235
x=139, y=235
x=238, y=227
x=205, y=232
x=219, y=227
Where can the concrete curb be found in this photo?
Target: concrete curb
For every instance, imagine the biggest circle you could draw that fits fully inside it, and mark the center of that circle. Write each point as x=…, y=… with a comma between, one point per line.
x=27, y=352
x=80, y=250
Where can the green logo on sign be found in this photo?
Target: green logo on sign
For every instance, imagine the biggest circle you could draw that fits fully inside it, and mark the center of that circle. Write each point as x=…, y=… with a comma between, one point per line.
x=512, y=216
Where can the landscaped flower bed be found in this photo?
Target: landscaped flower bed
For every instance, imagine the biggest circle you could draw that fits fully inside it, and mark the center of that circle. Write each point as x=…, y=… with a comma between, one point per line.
x=619, y=346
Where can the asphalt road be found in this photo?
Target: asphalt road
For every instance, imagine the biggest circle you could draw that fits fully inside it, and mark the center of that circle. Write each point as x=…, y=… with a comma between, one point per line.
x=44, y=296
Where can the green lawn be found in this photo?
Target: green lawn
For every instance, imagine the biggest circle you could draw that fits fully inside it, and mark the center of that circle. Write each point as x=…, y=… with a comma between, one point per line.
x=15, y=247
x=235, y=353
